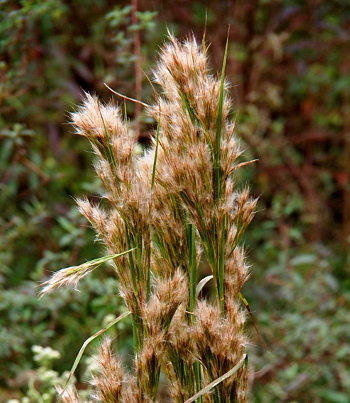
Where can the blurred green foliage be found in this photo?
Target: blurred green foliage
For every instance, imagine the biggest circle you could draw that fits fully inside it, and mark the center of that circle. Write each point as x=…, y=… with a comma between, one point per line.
x=303, y=315
x=290, y=68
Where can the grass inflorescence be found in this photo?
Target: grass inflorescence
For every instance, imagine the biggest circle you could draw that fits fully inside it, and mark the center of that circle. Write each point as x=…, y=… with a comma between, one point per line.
x=164, y=212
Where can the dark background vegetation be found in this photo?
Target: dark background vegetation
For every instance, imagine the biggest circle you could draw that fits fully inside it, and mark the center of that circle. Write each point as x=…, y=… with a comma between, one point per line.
x=289, y=63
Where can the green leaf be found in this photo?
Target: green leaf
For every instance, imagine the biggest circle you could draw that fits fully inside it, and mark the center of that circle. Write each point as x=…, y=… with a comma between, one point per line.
x=86, y=343
x=202, y=283
x=212, y=385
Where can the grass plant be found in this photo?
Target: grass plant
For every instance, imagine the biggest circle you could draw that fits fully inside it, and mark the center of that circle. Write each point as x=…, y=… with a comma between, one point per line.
x=161, y=214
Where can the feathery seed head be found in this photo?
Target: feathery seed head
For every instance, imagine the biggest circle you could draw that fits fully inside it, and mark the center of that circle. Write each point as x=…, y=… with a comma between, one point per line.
x=109, y=135
x=167, y=206
x=94, y=120
x=220, y=345
x=95, y=215
x=169, y=293
x=246, y=205
x=236, y=272
x=109, y=382
x=179, y=64
x=132, y=393
x=68, y=277
x=68, y=395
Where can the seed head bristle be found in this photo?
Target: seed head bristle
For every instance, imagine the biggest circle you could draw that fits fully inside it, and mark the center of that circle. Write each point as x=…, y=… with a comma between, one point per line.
x=220, y=344
x=109, y=383
x=68, y=395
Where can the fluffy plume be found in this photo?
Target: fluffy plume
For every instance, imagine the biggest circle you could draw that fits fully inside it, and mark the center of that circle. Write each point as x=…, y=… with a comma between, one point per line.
x=221, y=345
x=71, y=276
x=167, y=208
x=109, y=383
x=68, y=395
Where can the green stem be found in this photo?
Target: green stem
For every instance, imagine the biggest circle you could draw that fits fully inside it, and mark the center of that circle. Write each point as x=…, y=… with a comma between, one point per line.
x=217, y=153
x=134, y=333
x=139, y=251
x=221, y=268
x=198, y=378
x=148, y=293
x=191, y=235
x=191, y=239
x=132, y=265
x=155, y=155
x=136, y=318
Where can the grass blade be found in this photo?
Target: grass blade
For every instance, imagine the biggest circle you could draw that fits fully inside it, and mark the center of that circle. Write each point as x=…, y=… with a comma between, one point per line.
x=217, y=154
x=86, y=343
x=202, y=283
x=246, y=304
x=218, y=380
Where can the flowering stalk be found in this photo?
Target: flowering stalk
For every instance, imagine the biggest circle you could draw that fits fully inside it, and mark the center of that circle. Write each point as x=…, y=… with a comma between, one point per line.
x=167, y=209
